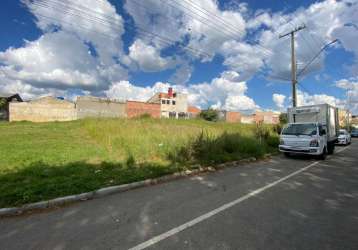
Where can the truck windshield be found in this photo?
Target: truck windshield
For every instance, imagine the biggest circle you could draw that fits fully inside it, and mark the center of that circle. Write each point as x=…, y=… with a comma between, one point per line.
x=300, y=129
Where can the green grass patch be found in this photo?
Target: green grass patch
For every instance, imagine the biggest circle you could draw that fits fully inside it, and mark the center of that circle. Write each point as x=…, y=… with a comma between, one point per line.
x=47, y=160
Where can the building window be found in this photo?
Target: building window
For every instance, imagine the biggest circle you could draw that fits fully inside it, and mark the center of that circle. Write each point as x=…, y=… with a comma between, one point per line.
x=163, y=101
x=173, y=102
x=168, y=101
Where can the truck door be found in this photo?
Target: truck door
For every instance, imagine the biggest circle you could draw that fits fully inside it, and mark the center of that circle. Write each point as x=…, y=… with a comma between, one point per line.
x=322, y=136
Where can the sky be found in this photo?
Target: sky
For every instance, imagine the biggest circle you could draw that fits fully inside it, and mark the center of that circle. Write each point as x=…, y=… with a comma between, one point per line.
x=224, y=54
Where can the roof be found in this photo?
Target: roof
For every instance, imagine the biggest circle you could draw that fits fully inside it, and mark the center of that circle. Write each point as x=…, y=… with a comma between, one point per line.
x=193, y=109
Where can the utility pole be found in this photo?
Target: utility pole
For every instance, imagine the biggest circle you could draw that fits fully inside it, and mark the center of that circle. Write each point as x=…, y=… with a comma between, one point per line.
x=293, y=62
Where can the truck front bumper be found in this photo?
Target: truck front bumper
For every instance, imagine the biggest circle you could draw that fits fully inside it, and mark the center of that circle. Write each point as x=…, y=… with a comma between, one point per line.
x=300, y=150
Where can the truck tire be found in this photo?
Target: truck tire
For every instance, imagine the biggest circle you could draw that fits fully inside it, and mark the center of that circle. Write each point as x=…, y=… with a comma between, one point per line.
x=330, y=147
x=323, y=155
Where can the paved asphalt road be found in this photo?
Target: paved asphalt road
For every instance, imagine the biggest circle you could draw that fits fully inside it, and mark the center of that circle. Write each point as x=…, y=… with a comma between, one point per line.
x=278, y=204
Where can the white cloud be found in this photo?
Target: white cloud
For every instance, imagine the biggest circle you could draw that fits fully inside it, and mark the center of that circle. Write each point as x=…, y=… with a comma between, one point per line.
x=148, y=57
x=74, y=52
x=224, y=92
x=279, y=100
x=351, y=87
x=304, y=98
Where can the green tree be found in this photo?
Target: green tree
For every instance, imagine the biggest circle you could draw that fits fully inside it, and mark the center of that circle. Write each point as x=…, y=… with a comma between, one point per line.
x=283, y=118
x=210, y=115
x=2, y=103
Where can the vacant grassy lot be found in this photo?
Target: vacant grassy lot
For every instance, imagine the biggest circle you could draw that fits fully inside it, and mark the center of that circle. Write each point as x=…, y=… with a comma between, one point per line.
x=48, y=160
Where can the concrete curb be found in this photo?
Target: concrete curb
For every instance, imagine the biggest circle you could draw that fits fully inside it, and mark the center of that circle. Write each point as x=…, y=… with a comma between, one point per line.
x=118, y=189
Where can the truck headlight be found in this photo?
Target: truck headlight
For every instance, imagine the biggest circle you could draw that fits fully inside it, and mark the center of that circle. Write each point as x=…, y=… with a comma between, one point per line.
x=314, y=143
x=282, y=142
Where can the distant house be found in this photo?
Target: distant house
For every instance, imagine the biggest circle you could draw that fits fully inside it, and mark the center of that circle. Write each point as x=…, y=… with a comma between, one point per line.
x=4, y=104
x=193, y=112
x=172, y=104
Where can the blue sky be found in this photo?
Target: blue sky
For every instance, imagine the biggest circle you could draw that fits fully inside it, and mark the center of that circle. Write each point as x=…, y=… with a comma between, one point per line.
x=123, y=63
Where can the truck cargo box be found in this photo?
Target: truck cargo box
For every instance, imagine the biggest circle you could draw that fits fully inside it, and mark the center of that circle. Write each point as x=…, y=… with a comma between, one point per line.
x=324, y=114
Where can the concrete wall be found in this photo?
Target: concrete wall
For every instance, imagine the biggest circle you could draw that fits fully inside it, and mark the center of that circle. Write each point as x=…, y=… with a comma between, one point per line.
x=45, y=109
x=88, y=106
x=135, y=109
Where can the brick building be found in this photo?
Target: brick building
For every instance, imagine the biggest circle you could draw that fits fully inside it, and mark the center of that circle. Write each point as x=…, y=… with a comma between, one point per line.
x=172, y=104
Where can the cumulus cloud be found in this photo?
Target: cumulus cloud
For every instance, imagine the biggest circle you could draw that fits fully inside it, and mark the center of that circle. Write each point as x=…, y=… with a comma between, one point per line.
x=303, y=98
x=74, y=52
x=279, y=100
x=224, y=92
x=148, y=57
x=351, y=87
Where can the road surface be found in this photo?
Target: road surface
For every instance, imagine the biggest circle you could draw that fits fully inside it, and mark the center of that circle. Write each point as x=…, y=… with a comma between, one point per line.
x=282, y=203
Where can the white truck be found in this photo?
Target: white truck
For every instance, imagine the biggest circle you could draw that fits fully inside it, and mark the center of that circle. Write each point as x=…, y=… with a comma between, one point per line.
x=311, y=130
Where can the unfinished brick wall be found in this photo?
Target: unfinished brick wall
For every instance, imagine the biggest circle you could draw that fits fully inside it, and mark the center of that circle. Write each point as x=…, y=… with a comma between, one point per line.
x=135, y=109
x=233, y=117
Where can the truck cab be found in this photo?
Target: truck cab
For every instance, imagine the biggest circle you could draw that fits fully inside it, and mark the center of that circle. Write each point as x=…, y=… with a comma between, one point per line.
x=304, y=138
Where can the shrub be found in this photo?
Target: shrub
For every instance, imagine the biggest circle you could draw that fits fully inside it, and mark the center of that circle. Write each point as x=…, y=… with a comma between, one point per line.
x=283, y=118
x=209, y=115
x=209, y=149
x=145, y=116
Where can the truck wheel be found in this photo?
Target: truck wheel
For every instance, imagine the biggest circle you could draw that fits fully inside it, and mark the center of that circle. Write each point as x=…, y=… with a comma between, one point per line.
x=330, y=148
x=323, y=155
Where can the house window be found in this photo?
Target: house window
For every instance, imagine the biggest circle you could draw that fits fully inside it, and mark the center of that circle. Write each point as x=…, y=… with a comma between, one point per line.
x=173, y=102
x=163, y=101
x=168, y=101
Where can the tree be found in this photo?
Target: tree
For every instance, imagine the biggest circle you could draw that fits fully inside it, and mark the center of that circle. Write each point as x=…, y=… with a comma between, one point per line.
x=283, y=118
x=2, y=103
x=210, y=115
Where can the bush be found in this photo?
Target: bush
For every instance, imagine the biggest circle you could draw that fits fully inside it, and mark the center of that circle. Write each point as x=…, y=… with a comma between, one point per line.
x=145, y=116
x=209, y=149
x=209, y=115
x=283, y=118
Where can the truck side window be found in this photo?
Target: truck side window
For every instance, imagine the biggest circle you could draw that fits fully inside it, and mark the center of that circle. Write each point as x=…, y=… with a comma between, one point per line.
x=322, y=131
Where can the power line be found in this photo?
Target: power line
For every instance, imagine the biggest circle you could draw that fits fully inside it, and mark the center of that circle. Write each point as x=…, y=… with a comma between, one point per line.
x=315, y=56
x=108, y=22
x=266, y=51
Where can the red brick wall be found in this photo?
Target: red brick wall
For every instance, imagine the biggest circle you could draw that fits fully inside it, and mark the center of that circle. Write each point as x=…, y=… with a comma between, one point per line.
x=233, y=116
x=135, y=109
